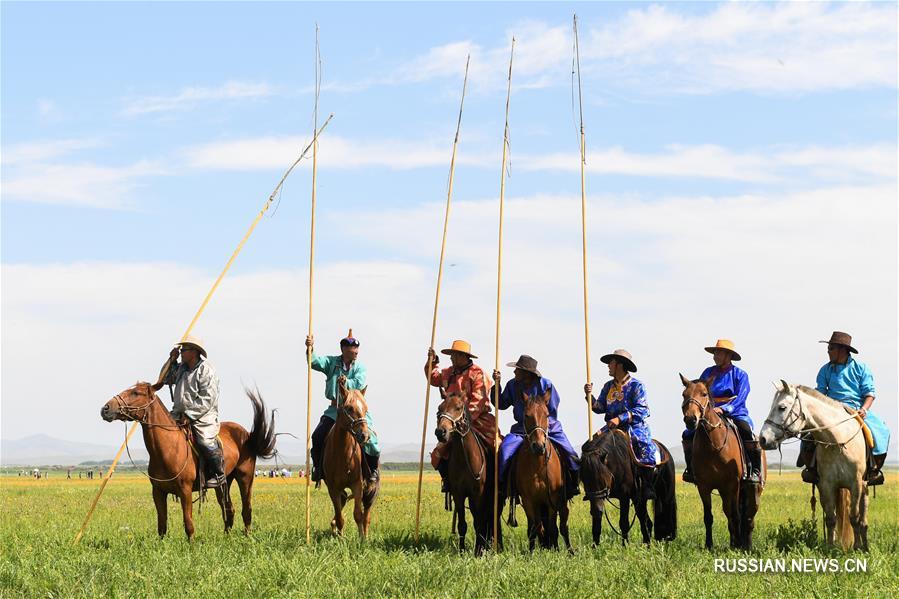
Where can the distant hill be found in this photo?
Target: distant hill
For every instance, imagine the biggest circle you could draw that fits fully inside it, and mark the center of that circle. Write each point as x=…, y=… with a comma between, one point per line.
x=42, y=449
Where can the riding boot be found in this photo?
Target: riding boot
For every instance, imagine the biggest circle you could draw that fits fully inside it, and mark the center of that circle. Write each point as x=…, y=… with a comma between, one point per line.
x=874, y=475
x=754, y=453
x=688, y=458
x=373, y=476
x=215, y=466
x=443, y=469
x=807, y=457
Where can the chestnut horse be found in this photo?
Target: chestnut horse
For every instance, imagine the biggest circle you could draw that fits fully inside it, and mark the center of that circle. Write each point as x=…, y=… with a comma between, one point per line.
x=840, y=448
x=343, y=461
x=540, y=477
x=470, y=471
x=173, y=464
x=609, y=469
x=718, y=464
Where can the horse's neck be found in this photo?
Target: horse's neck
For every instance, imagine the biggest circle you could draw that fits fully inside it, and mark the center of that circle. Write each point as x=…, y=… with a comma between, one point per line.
x=834, y=423
x=159, y=438
x=717, y=431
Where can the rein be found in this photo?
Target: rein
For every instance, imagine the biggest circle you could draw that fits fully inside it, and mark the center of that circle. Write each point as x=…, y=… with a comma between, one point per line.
x=465, y=419
x=799, y=414
x=706, y=425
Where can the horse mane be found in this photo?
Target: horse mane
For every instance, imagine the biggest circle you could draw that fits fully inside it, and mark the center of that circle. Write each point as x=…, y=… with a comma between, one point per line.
x=820, y=396
x=592, y=454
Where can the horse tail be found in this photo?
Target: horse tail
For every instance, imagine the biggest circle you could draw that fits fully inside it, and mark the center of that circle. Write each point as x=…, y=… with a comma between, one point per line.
x=369, y=493
x=845, y=534
x=664, y=506
x=262, y=436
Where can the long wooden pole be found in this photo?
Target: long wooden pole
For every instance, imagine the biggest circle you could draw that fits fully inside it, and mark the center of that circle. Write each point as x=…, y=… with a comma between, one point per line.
x=193, y=321
x=584, y=227
x=449, y=195
x=499, y=289
x=311, y=281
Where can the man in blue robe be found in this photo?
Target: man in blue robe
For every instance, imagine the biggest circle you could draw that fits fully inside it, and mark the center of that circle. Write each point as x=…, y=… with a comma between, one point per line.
x=529, y=380
x=850, y=382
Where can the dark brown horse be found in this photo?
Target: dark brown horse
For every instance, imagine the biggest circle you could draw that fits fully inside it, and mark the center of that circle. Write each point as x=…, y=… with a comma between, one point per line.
x=173, y=465
x=343, y=461
x=718, y=464
x=540, y=477
x=470, y=474
x=609, y=469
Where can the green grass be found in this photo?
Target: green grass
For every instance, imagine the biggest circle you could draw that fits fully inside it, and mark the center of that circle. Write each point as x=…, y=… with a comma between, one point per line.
x=121, y=555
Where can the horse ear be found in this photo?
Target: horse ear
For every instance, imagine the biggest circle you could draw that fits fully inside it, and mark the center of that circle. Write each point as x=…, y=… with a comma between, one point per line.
x=157, y=386
x=527, y=398
x=786, y=385
x=548, y=395
x=362, y=391
x=684, y=380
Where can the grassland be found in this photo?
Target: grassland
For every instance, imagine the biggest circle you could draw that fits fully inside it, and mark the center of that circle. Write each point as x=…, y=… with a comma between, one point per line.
x=121, y=555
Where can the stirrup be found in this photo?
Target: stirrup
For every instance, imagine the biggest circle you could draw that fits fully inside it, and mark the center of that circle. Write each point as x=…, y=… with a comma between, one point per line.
x=874, y=478
x=214, y=482
x=754, y=477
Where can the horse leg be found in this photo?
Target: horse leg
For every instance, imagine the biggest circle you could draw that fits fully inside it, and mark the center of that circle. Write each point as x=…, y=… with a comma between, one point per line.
x=187, y=511
x=337, y=500
x=245, y=486
x=563, y=525
x=730, y=503
x=552, y=532
x=223, y=495
x=533, y=521
x=461, y=523
x=643, y=517
x=161, y=511
x=623, y=524
x=862, y=540
x=829, y=495
x=705, y=494
x=358, y=511
x=596, y=516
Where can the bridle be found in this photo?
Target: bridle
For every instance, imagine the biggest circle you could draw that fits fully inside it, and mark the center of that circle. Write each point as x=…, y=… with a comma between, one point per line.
x=461, y=425
x=789, y=431
x=704, y=422
x=785, y=427
x=359, y=435
x=141, y=413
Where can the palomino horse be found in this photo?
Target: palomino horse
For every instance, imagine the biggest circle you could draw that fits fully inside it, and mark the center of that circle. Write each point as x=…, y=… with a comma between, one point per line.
x=798, y=410
x=343, y=461
x=540, y=477
x=470, y=471
x=173, y=467
x=718, y=464
x=610, y=470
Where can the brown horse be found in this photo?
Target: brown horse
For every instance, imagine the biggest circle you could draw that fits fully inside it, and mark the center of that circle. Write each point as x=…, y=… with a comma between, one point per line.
x=470, y=471
x=540, y=477
x=343, y=461
x=718, y=464
x=173, y=466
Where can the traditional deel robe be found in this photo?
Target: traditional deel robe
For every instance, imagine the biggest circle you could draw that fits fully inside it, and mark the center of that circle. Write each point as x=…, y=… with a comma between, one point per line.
x=628, y=403
x=471, y=381
x=727, y=383
x=850, y=383
x=333, y=367
x=513, y=395
x=196, y=396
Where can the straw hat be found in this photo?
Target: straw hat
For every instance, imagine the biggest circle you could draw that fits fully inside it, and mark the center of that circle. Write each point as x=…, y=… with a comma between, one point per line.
x=624, y=356
x=725, y=344
x=526, y=363
x=195, y=342
x=463, y=347
x=840, y=338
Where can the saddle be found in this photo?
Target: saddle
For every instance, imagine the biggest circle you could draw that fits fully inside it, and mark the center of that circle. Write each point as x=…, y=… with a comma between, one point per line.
x=199, y=485
x=744, y=456
x=870, y=464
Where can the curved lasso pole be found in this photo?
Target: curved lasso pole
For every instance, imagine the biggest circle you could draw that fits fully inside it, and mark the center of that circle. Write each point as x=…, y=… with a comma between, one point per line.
x=311, y=280
x=449, y=195
x=584, y=229
x=165, y=369
x=499, y=288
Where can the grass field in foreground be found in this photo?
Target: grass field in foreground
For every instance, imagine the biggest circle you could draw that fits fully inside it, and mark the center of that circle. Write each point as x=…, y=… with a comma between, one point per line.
x=122, y=556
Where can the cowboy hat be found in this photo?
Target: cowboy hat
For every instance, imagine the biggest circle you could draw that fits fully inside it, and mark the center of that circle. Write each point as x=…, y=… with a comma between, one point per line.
x=526, y=363
x=624, y=356
x=194, y=342
x=840, y=338
x=725, y=344
x=460, y=346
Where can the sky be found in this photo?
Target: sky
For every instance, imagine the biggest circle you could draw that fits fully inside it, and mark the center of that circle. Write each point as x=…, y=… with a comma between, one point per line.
x=741, y=183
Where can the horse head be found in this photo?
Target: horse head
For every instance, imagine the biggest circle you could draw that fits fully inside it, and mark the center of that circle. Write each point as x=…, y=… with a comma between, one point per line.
x=696, y=401
x=536, y=420
x=352, y=411
x=131, y=404
x=596, y=474
x=452, y=415
x=785, y=419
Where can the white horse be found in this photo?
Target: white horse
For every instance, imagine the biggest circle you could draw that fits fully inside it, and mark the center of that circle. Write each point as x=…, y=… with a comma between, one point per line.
x=840, y=454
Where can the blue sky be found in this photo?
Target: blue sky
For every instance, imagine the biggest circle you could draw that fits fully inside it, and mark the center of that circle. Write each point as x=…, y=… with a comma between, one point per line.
x=741, y=180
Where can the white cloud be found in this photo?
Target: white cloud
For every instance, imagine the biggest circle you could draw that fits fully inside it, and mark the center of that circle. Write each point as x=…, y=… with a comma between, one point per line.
x=190, y=97
x=43, y=150
x=668, y=276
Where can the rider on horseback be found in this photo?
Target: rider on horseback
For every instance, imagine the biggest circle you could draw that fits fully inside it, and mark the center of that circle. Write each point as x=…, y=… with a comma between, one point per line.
x=467, y=377
x=850, y=382
x=529, y=380
x=196, y=403
x=348, y=367
x=729, y=388
x=623, y=401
